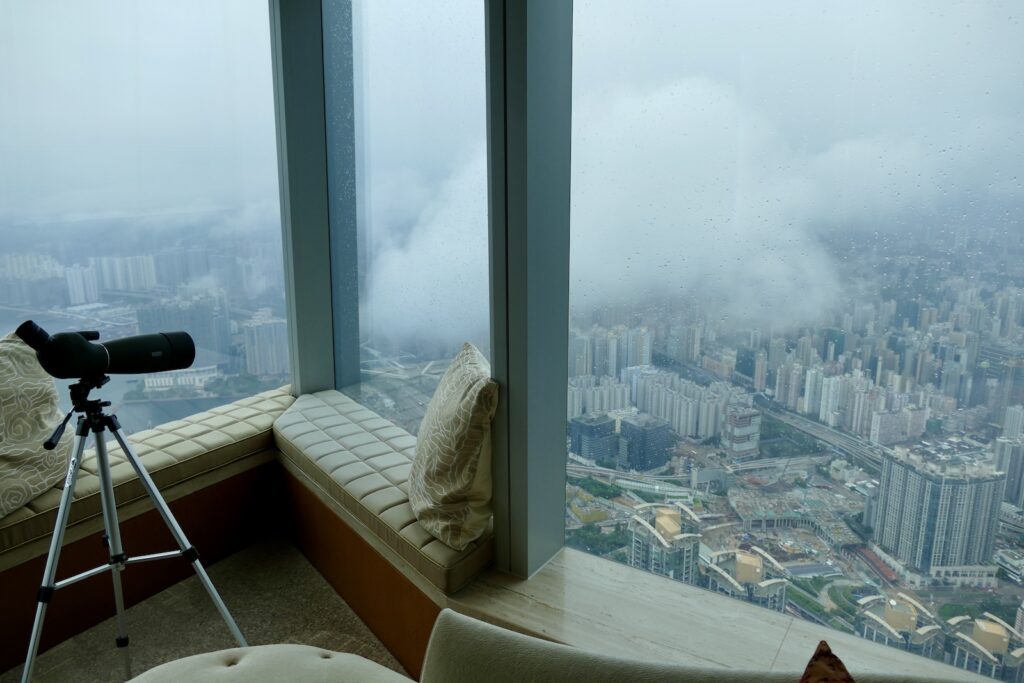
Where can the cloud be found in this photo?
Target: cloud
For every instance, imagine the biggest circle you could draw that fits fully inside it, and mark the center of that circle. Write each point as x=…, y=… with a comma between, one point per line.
x=718, y=149
x=118, y=108
x=686, y=191
x=677, y=192
x=433, y=287
x=657, y=213
x=263, y=216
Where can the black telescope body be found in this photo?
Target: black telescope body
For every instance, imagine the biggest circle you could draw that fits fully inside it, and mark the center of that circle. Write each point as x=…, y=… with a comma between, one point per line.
x=74, y=355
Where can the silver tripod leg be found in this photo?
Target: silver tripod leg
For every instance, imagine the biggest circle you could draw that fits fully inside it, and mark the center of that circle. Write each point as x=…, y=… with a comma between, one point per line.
x=47, y=587
x=187, y=550
x=118, y=558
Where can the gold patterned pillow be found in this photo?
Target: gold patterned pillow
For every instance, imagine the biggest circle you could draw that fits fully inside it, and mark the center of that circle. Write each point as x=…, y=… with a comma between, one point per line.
x=450, y=481
x=28, y=414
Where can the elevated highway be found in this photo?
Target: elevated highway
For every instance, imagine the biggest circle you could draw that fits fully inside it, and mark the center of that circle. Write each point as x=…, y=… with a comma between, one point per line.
x=863, y=453
x=784, y=463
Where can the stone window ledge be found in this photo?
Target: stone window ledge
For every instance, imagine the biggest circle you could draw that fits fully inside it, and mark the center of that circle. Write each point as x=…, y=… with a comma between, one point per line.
x=599, y=605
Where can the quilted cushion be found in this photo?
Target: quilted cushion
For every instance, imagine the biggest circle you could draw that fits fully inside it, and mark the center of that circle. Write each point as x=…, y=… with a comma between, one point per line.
x=172, y=453
x=450, y=482
x=362, y=461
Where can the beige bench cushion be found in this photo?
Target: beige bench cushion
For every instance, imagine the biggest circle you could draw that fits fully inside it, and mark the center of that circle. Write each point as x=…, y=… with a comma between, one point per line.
x=362, y=461
x=172, y=453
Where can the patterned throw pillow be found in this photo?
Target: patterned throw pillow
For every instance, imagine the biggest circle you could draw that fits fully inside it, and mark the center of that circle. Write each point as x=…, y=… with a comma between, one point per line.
x=28, y=415
x=450, y=481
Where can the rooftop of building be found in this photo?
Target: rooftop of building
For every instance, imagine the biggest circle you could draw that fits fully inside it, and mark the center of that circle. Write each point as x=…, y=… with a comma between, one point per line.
x=1010, y=555
x=990, y=627
x=668, y=523
x=740, y=410
x=591, y=419
x=644, y=420
x=818, y=505
x=954, y=456
x=948, y=446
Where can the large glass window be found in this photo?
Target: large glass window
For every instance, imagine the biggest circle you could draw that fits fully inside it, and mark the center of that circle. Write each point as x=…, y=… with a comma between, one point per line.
x=138, y=189
x=795, y=340
x=417, y=71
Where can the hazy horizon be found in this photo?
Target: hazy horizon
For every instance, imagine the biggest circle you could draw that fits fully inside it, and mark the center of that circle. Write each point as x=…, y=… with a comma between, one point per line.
x=716, y=149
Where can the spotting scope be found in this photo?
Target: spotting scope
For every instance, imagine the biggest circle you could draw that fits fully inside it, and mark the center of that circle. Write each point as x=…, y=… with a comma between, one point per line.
x=76, y=355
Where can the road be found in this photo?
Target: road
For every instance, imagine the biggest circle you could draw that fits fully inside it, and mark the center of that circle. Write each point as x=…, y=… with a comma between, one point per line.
x=867, y=455
x=634, y=481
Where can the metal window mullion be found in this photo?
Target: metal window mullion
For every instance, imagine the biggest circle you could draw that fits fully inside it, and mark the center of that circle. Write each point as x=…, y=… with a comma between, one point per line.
x=494, y=35
x=529, y=96
x=296, y=30
x=344, y=184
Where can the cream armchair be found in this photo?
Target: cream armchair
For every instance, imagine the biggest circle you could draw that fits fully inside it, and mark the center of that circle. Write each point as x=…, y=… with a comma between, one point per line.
x=461, y=650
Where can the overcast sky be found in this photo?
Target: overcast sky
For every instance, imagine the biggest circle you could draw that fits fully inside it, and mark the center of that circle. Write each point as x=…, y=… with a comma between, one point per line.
x=134, y=107
x=713, y=142
x=738, y=132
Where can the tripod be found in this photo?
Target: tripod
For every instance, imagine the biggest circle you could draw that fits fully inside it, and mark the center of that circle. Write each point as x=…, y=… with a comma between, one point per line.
x=94, y=419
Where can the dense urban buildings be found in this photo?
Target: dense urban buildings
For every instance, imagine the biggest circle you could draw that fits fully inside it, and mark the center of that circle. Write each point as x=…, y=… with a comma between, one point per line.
x=645, y=440
x=877, y=458
x=1009, y=459
x=266, y=344
x=937, y=512
x=741, y=432
x=901, y=622
x=594, y=437
x=663, y=542
x=745, y=575
x=225, y=292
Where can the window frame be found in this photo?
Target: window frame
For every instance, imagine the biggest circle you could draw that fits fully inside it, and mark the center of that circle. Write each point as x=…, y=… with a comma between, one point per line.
x=296, y=43
x=529, y=97
x=529, y=130
x=528, y=55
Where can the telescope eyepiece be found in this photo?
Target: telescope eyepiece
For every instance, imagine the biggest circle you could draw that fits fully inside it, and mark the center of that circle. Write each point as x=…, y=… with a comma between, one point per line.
x=33, y=335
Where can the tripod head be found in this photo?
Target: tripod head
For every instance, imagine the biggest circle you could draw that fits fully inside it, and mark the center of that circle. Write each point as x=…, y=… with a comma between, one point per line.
x=80, y=395
x=92, y=409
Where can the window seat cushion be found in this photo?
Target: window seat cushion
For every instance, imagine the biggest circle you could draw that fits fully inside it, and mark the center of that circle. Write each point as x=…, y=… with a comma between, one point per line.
x=173, y=453
x=362, y=461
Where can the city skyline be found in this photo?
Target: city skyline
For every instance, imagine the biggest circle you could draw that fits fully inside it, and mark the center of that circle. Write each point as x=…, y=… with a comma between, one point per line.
x=887, y=460
x=225, y=290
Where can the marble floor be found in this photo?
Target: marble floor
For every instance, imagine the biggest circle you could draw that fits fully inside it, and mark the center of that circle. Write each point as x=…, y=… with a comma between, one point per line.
x=273, y=592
